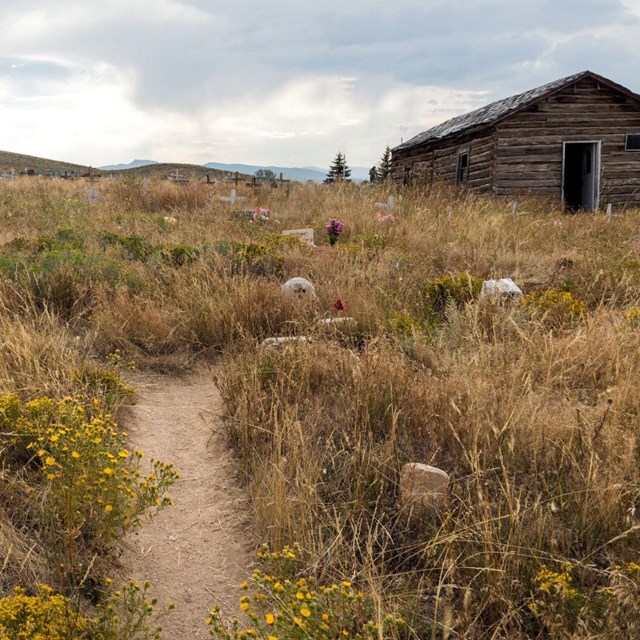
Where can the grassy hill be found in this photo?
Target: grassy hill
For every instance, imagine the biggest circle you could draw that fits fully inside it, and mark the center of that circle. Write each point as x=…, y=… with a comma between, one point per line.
x=164, y=170
x=20, y=162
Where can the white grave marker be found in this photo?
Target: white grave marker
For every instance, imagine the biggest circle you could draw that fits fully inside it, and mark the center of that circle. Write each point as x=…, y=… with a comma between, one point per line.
x=145, y=187
x=233, y=198
x=503, y=287
x=300, y=287
x=270, y=343
x=304, y=235
x=389, y=204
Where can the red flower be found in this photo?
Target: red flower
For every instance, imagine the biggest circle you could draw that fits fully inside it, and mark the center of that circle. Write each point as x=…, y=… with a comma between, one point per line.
x=339, y=305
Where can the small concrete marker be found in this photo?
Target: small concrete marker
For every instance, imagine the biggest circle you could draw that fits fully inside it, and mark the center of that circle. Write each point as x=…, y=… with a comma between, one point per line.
x=277, y=343
x=423, y=488
x=304, y=235
x=609, y=210
x=504, y=287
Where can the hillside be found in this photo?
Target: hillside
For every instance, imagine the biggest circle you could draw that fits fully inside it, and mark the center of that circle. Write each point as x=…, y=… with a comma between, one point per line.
x=164, y=170
x=20, y=162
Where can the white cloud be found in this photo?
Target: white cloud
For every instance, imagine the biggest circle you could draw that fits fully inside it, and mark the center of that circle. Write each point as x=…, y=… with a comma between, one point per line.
x=282, y=82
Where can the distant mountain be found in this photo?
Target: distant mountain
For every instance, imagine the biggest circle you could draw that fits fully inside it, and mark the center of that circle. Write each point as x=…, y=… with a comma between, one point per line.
x=132, y=165
x=299, y=174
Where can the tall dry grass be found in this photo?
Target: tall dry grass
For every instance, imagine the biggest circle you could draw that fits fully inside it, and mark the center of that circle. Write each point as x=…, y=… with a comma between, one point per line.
x=534, y=415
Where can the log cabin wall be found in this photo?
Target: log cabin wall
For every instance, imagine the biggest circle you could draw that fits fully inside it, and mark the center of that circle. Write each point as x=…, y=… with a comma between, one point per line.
x=438, y=162
x=522, y=153
x=529, y=144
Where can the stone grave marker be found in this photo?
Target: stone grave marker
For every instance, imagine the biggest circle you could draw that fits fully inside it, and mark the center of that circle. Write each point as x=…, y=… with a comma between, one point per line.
x=304, y=235
x=505, y=287
x=299, y=287
x=423, y=488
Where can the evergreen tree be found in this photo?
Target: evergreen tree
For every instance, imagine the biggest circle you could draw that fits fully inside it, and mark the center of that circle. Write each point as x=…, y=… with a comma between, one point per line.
x=385, y=169
x=339, y=170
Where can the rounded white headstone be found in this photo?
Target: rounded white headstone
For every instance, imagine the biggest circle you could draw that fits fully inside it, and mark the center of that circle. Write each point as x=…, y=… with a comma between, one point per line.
x=299, y=286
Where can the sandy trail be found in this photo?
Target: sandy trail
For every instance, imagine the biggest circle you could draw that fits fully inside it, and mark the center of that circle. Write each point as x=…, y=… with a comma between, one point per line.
x=196, y=552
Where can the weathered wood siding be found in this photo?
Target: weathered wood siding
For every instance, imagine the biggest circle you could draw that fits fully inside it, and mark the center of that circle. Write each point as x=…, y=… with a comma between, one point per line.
x=529, y=143
x=438, y=162
x=523, y=153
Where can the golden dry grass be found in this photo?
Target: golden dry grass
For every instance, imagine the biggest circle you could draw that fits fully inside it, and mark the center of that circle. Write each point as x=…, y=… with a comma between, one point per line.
x=534, y=415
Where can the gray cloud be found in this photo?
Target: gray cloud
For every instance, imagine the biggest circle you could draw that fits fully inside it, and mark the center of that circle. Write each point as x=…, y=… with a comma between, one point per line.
x=190, y=62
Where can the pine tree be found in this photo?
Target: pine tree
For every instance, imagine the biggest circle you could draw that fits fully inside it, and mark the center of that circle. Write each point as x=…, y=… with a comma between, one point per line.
x=339, y=170
x=385, y=170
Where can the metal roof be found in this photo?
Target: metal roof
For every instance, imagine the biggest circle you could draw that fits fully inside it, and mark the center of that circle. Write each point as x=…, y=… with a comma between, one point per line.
x=491, y=113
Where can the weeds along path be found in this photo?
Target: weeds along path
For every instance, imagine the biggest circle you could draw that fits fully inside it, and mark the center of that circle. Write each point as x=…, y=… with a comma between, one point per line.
x=196, y=552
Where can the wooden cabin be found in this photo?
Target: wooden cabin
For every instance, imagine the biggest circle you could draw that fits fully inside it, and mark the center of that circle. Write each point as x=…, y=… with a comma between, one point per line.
x=576, y=139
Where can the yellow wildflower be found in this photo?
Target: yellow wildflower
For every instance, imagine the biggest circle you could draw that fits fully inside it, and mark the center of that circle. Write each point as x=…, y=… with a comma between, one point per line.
x=269, y=618
x=305, y=612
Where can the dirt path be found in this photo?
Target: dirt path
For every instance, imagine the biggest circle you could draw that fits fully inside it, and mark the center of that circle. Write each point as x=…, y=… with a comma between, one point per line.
x=196, y=552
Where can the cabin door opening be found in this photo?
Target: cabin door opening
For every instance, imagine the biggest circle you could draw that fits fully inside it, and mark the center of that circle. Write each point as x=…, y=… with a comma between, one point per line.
x=581, y=176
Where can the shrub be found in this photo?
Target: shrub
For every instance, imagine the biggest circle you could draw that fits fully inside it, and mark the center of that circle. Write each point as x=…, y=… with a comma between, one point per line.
x=555, y=309
x=93, y=491
x=456, y=289
x=279, y=606
x=123, y=614
x=45, y=616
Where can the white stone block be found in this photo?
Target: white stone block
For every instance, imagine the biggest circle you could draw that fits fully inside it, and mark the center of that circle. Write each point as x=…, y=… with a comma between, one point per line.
x=503, y=287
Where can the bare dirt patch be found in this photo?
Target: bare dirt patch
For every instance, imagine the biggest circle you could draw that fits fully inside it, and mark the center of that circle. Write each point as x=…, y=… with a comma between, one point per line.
x=196, y=552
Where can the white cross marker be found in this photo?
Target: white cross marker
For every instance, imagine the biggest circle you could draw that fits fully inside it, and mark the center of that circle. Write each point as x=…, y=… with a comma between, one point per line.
x=233, y=198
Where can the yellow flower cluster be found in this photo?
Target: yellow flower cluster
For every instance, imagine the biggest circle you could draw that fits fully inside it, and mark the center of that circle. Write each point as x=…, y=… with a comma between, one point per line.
x=285, y=608
x=95, y=490
x=44, y=616
x=559, y=306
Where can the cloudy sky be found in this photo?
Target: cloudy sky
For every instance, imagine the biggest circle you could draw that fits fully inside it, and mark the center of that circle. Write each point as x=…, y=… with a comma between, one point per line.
x=282, y=81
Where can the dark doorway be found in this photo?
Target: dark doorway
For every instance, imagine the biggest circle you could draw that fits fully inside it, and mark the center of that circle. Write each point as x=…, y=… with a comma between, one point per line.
x=580, y=176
